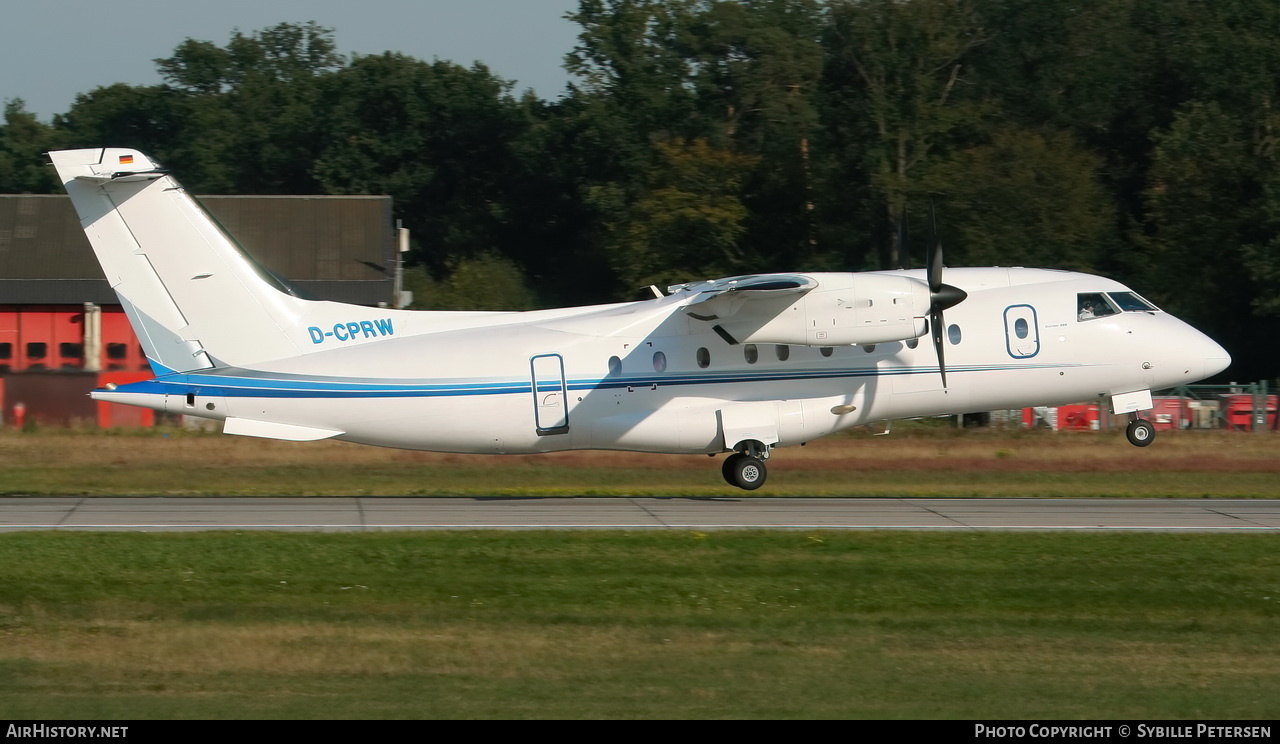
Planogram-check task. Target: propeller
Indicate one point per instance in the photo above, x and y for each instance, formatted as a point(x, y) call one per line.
point(941, 296)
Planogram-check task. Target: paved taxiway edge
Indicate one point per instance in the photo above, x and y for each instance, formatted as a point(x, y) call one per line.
point(385, 513)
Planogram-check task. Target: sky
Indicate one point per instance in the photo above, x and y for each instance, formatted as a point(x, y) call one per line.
point(51, 50)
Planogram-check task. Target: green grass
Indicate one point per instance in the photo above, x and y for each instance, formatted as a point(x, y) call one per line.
point(639, 625)
point(917, 462)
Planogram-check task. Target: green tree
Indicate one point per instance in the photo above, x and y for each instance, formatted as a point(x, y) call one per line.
point(689, 223)
point(486, 281)
point(634, 86)
point(738, 77)
point(630, 53)
point(1211, 190)
point(252, 110)
point(23, 142)
point(119, 115)
point(1206, 204)
point(758, 70)
point(895, 88)
point(287, 53)
point(1026, 198)
point(439, 138)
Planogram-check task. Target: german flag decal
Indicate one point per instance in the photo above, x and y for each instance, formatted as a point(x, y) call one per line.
point(126, 160)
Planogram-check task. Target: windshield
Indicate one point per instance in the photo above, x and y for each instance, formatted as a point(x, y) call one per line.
point(1130, 302)
point(1090, 305)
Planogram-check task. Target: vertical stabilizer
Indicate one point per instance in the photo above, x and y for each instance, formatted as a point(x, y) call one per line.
point(190, 293)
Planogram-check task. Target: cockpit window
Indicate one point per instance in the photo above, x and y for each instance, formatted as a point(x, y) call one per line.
point(1130, 302)
point(1090, 305)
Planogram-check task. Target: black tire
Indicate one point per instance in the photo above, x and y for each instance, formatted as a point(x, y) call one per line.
point(744, 471)
point(1140, 433)
point(726, 467)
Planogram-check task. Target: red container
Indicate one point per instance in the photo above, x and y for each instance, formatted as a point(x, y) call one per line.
point(1169, 413)
point(1079, 417)
point(1238, 410)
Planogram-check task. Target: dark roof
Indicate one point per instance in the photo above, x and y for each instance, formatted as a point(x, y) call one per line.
point(331, 247)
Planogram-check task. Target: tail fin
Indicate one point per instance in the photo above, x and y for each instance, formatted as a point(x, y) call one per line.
point(191, 295)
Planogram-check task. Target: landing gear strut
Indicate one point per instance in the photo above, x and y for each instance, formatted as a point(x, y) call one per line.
point(745, 469)
point(1140, 432)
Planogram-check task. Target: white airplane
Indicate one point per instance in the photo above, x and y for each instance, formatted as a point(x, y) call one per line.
point(740, 365)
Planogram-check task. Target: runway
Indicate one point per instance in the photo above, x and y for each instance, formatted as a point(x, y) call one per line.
point(381, 514)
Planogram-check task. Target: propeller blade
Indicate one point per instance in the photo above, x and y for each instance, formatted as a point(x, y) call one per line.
point(936, 324)
point(941, 296)
point(933, 261)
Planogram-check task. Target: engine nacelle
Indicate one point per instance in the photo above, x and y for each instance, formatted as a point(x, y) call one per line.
point(843, 309)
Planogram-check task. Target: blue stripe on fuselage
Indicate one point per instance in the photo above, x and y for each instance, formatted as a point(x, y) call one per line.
point(231, 383)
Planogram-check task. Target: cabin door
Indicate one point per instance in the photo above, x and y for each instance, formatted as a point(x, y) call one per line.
point(550, 394)
point(1021, 331)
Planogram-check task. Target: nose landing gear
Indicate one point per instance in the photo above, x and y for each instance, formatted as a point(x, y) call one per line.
point(1140, 432)
point(745, 468)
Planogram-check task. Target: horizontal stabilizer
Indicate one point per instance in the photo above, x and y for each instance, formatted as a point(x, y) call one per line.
point(271, 430)
point(123, 176)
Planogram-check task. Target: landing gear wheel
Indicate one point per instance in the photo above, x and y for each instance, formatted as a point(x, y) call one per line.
point(1140, 433)
point(744, 471)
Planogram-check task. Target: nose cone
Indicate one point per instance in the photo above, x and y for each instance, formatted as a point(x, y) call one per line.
point(1182, 355)
point(1216, 358)
point(1204, 350)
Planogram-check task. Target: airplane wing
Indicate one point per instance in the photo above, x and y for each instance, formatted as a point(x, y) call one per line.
point(727, 296)
point(810, 310)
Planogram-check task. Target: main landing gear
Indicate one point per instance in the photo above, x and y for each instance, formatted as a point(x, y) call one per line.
point(1140, 432)
point(745, 468)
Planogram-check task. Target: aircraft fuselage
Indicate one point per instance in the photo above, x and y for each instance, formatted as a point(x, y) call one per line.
point(648, 376)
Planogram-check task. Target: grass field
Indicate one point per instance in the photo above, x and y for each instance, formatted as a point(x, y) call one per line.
point(916, 461)
point(639, 625)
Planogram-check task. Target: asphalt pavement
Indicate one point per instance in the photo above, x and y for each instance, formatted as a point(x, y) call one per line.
point(380, 513)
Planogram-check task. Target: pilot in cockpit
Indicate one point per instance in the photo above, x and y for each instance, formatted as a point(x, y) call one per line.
point(1090, 305)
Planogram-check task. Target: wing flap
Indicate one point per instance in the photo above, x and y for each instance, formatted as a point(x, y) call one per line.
point(246, 427)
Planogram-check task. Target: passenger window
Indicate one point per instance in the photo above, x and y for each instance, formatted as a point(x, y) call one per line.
point(1020, 328)
point(615, 367)
point(659, 362)
point(750, 353)
point(1090, 305)
point(826, 351)
point(869, 348)
point(783, 352)
point(913, 343)
point(953, 334)
point(704, 357)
